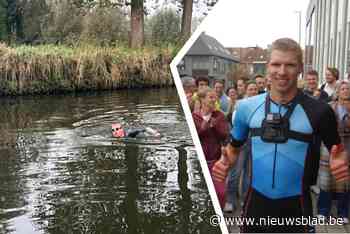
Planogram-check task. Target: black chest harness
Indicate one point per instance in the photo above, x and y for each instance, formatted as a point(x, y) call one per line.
point(275, 128)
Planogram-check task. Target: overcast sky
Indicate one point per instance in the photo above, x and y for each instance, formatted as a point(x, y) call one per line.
point(244, 23)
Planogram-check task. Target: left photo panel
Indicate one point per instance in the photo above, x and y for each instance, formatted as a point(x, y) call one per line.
point(93, 138)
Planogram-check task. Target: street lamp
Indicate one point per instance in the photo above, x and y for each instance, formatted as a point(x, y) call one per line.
point(299, 13)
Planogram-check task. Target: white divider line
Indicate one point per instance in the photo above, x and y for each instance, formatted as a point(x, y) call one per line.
point(190, 122)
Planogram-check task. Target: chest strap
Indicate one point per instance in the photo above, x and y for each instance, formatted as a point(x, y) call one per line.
point(299, 136)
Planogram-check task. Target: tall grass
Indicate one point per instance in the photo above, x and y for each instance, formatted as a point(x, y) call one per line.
point(50, 69)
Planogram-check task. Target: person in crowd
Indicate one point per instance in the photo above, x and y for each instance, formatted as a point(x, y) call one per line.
point(242, 167)
point(328, 187)
point(241, 86)
point(231, 92)
point(284, 129)
point(311, 89)
point(252, 89)
point(222, 97)
point(202, 82)
point(332, 76)
point(261, 83)
point(232, 183)
point(268, 83)
point(213, 131)
point(189, 85)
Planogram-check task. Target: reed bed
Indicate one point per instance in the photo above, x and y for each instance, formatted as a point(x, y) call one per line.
point(49, 69)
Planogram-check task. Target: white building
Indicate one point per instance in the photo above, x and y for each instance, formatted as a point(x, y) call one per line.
point(328, 36)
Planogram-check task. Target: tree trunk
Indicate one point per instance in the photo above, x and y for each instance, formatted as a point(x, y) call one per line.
point(137, 23)
point(186, 19)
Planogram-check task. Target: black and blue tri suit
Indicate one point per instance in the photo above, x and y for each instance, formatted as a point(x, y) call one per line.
point(282, 173)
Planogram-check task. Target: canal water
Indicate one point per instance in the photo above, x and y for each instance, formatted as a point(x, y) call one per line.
point(62, 172)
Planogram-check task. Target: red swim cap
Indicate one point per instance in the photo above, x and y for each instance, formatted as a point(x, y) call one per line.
point(117, 130)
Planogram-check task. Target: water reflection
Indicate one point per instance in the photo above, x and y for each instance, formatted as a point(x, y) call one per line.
point(62, 172)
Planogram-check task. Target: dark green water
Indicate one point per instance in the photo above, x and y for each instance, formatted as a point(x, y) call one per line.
point(62, 172)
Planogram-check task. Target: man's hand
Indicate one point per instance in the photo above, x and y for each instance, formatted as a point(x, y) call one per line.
point(221, 167)
point(339, 163)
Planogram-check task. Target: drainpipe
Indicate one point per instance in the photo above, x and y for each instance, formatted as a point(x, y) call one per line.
point(342, 61)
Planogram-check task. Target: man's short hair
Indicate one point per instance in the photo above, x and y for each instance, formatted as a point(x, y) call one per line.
point(188, 81)
point(201, 78)
point(312, 73)
point(287, 44)
point(250, 82)
point(258, 75)
point(242, 79)
point(219, 81)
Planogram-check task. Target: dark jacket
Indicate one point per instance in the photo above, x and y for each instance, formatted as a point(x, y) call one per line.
point(323, 96)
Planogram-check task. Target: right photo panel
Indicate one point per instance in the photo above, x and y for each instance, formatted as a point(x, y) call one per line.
point(266, 93)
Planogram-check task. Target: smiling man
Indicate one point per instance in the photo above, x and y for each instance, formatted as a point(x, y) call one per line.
point(311, 89)
point(284, 129)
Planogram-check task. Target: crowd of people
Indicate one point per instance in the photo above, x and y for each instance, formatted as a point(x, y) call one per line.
point(273, 140)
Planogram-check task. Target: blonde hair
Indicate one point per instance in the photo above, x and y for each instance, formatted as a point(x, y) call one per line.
point(204, 92)
point(287, 44)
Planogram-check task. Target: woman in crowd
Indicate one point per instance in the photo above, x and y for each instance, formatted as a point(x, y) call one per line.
point(231, 92)
point(328, 188)
point(213, 131)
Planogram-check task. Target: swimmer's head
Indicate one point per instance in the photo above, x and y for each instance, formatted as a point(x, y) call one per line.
point(117, 130)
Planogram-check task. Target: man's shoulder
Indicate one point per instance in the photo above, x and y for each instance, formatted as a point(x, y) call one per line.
point(252, 101)
point(251, 104)
point(315, 106)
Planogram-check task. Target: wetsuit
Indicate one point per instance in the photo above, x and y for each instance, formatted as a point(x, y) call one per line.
point(283, 172)
point(135, 132)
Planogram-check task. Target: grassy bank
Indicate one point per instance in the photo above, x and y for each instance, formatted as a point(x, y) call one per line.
point(51, 69)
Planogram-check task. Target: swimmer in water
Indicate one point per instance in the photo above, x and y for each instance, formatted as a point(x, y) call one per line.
point(118, 131)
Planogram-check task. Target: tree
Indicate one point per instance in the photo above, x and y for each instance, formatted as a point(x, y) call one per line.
point(164, 27)
point(137, 24)
point(186, 18)
point(3, 20)
point(14, 19)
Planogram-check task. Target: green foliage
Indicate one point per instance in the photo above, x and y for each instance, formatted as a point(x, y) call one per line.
point(105, 26)
point(164, 27)
point(65, 23)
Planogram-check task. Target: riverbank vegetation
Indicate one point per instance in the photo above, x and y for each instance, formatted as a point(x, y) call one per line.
point(51, 69)
point(74, 45)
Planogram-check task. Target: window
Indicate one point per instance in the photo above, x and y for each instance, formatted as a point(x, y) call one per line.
point(216, 64)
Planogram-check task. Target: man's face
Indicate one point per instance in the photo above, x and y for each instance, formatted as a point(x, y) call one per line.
point(219, 88)
point(252, 90)
point(283, 69)
point(202, 84)
point(260, 82)
point(240, 87)
point(311, 82)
